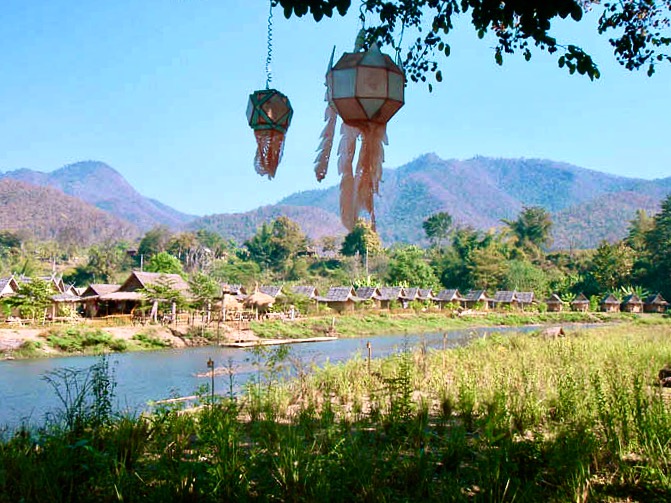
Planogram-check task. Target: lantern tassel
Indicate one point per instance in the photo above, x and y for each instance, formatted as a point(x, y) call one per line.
point(369, 166)
point(326, 144)
point(269, 148)
point(346, 149)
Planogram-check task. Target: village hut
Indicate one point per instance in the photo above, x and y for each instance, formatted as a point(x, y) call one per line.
point(64, 305)
point(554, 303)
point(55, 280)
point(580, 303)
point(93, 306)
point(409, 295)
point(310, 292)
point(525, 299)
point(631, 304)
point(273, 290)
point(8, 286)
point(129, 295)
point(505, 299)
point(476, 298)
point(609, 304)
point(340, 298)
point(425, 294)
point(238, 291)
point(259, 300)
point(389, 294)
point(446, 297)
point(655, 304)
point(369, 294)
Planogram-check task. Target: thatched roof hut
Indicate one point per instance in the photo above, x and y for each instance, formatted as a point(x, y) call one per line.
point(310, 292)
point(655, 304)
point(259, 300)
point(340, 298)
point(554, 303)
point(8, 286)
point(389, 294)
point(580, 303)
point(610, 304)
point(504, 298)
point(273, 290)
point(631, 304)
point(476, 297)
point(449, 296)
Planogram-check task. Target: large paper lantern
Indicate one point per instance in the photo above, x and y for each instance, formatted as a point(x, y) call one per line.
point(365, 89)
point(269, 115)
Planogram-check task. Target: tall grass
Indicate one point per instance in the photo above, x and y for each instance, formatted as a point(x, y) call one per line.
point(520, 418)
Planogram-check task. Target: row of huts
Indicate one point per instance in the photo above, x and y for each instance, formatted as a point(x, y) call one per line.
point(112, 299)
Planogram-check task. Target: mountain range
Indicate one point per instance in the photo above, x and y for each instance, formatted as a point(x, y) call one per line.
point(586, 205)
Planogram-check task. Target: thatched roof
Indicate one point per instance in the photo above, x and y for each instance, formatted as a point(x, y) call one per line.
point(259, 299)
point(306, 291)
point(138, 280)
point(632, 299)
point(63, 298)
point(449, 295)
point(119, 296)
point(368, 293)
point(411, 293)
point(505, 296)
point(97, 289)
point(426, 294)
point(476, 296)
point(657, 300)
point(390, 292)
point(525, 297)
point(609, 299)
point(580, 299)
point(554, 299)
point(8, 286)
point(340, 294)
point(272, 290)
point(233, 289)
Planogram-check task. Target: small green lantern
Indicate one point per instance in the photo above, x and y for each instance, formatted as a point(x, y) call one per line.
point(269, 115)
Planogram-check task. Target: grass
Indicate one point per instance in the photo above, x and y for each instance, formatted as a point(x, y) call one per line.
point(509, 418)
point(82, 340)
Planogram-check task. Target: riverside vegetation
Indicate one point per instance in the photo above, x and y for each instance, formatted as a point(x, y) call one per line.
point(516, 418)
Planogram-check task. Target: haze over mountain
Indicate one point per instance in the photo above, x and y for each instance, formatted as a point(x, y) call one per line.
point(46, 213)
point(587, 205)
point(102, 186)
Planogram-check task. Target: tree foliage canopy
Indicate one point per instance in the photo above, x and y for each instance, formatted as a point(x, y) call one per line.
point(638, 30)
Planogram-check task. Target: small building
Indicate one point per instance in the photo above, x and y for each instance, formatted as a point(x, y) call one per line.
point(410, 295)
point(446, 297)
point(310, 292)
point(476, 298)
point(239, 292)
point(610, 304)
point(389, 294)
point(631, 304)
point(8, 286)
point(580, 303)
point(93, 306)
point(505, 299)
point(525, 299)
point(425, 294)
point(340, 298)
point(554, 303)
point(273, 290)
point(655, 304)
point(369, 294)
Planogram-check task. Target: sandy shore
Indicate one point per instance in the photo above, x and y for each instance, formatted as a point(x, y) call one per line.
point(12, 338)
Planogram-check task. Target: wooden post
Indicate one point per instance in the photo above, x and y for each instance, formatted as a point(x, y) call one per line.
point(370, 354)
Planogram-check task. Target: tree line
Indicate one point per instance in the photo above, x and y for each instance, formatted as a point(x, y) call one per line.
point(515, 256)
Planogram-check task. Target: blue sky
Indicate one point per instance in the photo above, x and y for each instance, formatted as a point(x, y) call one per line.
point(158, 89)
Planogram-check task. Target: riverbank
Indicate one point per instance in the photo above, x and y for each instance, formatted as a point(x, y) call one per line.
point(82, 339)
point(524, 418)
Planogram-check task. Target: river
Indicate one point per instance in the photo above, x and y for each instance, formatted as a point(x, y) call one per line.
point(143, 377)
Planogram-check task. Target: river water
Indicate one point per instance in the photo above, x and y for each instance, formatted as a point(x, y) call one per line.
point(149, 376)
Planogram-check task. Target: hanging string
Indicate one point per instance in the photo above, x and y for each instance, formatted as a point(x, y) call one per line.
point(269, 57)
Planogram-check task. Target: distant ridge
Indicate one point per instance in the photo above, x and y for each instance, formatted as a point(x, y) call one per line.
point(477, 192)
point(46, 213)
point(102, 186)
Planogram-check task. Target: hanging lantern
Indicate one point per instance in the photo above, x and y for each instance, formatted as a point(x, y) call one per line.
point(365, 89)
point(269, 115)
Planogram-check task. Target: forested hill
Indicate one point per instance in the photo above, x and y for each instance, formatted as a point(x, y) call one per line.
point(47, 213)
point(587, 205)
point(102, 186)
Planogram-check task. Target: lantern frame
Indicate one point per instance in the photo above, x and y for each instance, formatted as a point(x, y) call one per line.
point(269, 109)
point(366, 87)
